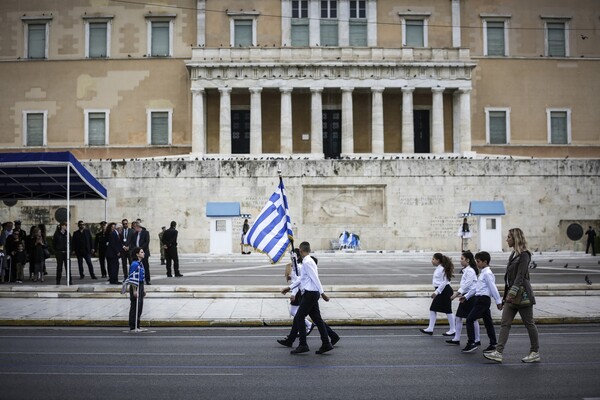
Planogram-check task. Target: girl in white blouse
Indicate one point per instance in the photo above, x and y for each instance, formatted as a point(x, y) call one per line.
point(442, 275)
point(467, 282)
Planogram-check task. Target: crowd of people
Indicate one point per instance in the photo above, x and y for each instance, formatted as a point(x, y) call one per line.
point(113, 245)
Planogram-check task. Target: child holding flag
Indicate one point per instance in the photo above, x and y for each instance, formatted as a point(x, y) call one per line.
point(136, 290)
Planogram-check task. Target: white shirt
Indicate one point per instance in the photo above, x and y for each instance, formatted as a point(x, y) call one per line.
point(486, 286)
point(309, 278)
point(439, 279)
point(468, 280)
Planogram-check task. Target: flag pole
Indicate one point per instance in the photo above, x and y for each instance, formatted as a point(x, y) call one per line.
point(137, 302)
point(292, 253)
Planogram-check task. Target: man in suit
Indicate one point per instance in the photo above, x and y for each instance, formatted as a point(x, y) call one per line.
point(170, 246)
point(114, 248)
point(125, 238)
point(141, 239)
point(83, 246)
point(100, 247)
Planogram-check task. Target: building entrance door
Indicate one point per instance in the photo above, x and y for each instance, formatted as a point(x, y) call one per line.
point(332, 133)
point(422, 131)
point(240, 131)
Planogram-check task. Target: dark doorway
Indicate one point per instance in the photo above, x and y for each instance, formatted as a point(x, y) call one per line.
point(240, 131)
point(422, 131)
point(332, 133)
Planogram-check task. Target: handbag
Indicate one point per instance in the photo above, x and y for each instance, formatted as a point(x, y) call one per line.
point(521, 298)
point(46, 253)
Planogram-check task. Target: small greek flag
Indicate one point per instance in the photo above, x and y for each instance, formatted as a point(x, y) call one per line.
point(272, 233)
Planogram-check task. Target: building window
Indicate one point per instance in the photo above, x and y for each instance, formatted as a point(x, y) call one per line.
point(490, 224)
point(242, 32)
point(96, 127)
point(160, 35)
point(300, 23)
point(97, 33)
point(557, 38)
point(559, 126)
point(329, 23)
point(497, 125)
point(159, 127)
point(414, 30)
point(358, 23)
point(37, 40)
point(34, 128)
point(495, 38)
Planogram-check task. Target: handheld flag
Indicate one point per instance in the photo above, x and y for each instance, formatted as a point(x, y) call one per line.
point(272, 233)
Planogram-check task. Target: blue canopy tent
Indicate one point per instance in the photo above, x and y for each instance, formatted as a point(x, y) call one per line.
point(48, 176)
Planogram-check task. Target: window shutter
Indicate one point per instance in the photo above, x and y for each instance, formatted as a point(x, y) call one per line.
point(414, 33)
point(160, 128)
point(35, 129)
point(329, 33)
point(36, 41)
point(97, 40)
point(300, 33)
point(96, 129)
point(558, 121)
point(358, 33)
point(243, 32)
point(556, 39)
point(160, 39)
point(497, 121)
point(495, 38)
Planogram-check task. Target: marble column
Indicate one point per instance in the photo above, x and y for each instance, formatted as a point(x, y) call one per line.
point(465, 120)
point(286, 140)
point(255, 120)
point(316, 122)
point(377, 145)
point(198, 122)
point(225, 121)
point(347, 121)
point(437, 118)
point(408, 125)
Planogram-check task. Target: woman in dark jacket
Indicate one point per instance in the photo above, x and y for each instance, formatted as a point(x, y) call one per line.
point(518, 297)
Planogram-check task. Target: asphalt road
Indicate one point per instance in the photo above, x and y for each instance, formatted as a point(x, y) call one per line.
point(247, 363)
point(347, 269)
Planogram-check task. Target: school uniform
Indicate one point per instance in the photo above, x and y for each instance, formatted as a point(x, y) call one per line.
point(483, 292)
point(467, 282)
point(441, 302)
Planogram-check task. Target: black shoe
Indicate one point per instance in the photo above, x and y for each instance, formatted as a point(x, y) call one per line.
point(324, 348)
point(94, 277)
point(285, 342)
point(148, 283)
point(58, 282)
point(453, 342)
point(104, 276)
point(334, 340)
point(312, 326)
point(426, 332)
point(81, 276)
point(300, 349)
point(178, 275)
point(469, 348)
point(491, 348)
point(169, 276)
point(477, 343)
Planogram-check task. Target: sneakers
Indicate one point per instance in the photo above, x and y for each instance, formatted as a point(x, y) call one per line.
point(533, 357)
point(453, 342)
point(469, 348)
point(300, 349)
point(490, 348)
point(426, 332)
point(477, 343)
point(494, 356)
point(285, 342)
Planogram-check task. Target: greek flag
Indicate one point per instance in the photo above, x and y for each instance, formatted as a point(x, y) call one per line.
point(272, 233)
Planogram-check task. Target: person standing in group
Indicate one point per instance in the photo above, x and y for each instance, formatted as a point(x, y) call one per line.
point(141, 239)
point(114, 248)
point(136, 290)
point(20, 258)
point(59, 243)
point(245, 229)
point(518, 297)
point(312, 290)
point(83, 247)
point(465, 234)
point(100, 247)
point(468, 280)
point(125, 233)
point(162, 244)
point(12, 243)
point(591, 240)
point(442, 275)
point(38, 259)
point(483, 292)
point(170, 246)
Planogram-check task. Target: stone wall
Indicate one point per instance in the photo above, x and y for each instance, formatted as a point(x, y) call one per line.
point(399, 204)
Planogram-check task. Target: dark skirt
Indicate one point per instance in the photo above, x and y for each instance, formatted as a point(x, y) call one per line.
point(442, 303)
point(465, 308)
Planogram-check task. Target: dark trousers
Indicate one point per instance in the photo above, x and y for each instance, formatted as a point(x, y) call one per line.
point(146, 264)
point(113, 269)
point(135, 303)
point(481, 309)
point(88, 261)
point(61, 261)
point(171, 256)
point(126, 260)
point(309, 305)
point(590, 243)
point(102, 261)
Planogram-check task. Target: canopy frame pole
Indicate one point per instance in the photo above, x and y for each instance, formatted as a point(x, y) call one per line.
point(68, 225)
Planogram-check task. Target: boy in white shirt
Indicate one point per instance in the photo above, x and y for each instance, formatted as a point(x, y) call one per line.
point(484, 291)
